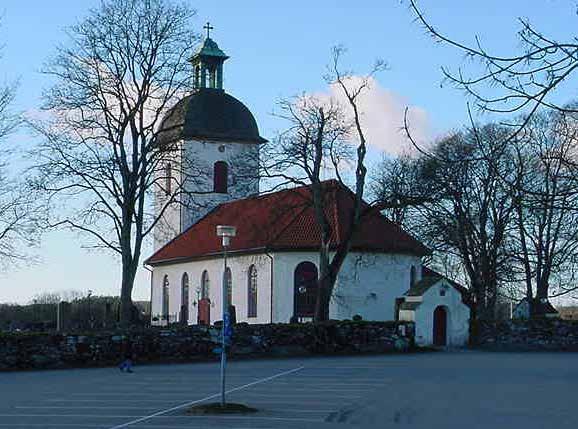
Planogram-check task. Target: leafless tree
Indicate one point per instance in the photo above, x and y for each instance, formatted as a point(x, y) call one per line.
point(104, 151)
point(546, 200)
point(17, 210)
point(522, 82)
point(466, 208)
point(326, 138)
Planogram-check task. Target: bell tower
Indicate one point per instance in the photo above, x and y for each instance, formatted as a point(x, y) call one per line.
point(208, 64)
point(218, 140)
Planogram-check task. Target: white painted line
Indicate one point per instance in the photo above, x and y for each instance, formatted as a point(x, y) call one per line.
point(69, 415)
point(142, 418)
point(89, 407)
point(109, 400)
point(301, 403)
point(186, 404)
point(76, 425)
point(52, 425)
point(297, 395)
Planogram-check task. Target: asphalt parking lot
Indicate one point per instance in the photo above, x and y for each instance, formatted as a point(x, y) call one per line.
point(422, 390)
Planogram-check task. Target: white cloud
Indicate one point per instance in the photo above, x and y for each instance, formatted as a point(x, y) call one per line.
point(382, 118)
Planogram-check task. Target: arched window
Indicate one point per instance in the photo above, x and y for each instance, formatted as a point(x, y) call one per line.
point(185, 298)
point(197, 76)
point(412, 277)
point(252, 292)
point(168, 178)
point(165, 298)
point(229, 287)
point(205, 285)
point(220, 177)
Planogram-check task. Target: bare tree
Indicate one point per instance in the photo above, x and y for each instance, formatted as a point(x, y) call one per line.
point(17, 211)
point(520, 82)
point(104, 152)
point(546, 200)
point(466, 208)
point(326, 137)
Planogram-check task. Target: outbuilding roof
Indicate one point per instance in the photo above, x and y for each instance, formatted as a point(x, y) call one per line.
point(430, 278)
point(285, 220)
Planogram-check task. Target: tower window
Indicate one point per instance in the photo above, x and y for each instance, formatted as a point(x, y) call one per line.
point(220, 176)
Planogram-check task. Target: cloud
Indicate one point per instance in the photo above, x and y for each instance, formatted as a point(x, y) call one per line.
point(382, 117)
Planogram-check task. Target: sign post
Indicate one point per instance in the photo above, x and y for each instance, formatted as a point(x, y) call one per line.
point(226, 232)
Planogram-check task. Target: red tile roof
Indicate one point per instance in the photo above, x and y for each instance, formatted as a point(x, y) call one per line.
point(285, 220)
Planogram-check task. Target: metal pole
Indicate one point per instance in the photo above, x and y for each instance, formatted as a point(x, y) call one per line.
point(224, 308)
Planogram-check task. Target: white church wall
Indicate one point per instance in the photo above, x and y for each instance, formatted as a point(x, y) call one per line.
point(458, 316)
point(285, 264)
point(239, 266)
point(369, 283)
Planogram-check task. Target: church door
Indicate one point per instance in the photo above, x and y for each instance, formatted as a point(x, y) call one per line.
point(204, 311)
point(305, 290)
point(440, 322)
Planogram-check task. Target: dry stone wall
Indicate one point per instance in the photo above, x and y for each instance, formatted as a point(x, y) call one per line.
point(188, 344)
point(529, 335)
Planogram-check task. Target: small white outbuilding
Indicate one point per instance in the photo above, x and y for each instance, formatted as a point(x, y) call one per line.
point(438, 307)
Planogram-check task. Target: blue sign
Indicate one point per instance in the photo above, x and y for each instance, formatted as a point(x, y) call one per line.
point(218, 350)
point(227, 328)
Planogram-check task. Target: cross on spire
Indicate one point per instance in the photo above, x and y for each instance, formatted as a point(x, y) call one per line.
point(208, 27)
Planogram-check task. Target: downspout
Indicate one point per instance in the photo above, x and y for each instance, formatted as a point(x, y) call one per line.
point(271, 278)
point(144, 265)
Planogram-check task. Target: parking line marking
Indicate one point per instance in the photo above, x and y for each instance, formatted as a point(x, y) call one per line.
point(74, 407)
point(297, 395)
point(186, 404)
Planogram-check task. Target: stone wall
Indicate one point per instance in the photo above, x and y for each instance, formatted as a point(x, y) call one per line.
point(189, 344)
point(527, 335)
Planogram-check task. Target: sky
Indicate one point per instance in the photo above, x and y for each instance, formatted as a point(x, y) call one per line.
point(277, 50)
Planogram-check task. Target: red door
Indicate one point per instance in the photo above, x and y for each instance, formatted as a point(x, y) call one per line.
point(204, 311)
point(440, 327)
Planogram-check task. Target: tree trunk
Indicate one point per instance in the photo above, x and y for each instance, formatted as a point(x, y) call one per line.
point(127, 284)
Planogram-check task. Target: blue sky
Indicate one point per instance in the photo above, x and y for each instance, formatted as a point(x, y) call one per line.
point(277, 49)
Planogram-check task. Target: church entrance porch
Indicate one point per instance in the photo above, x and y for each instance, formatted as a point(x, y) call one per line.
point(440, 322)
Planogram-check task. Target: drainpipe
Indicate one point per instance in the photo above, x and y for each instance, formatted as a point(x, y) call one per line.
point(271, 295)
point(151, 294)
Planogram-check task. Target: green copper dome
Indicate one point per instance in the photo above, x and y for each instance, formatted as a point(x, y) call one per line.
point(210, 49)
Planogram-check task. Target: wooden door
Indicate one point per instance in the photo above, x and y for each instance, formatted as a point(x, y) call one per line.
point(440, 323)
point(204, 311)
point(305, 290)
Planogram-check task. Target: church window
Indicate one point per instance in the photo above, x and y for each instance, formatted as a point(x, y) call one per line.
point(252, 292)
point(185, 298)
point(220, 176)
point(197, 76)
point(168, 178)
point(165, 299)
point(229, 287)
point(205, 285)
point(412, 277)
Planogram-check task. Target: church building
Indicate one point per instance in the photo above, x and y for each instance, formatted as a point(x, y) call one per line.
point(273, 260)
